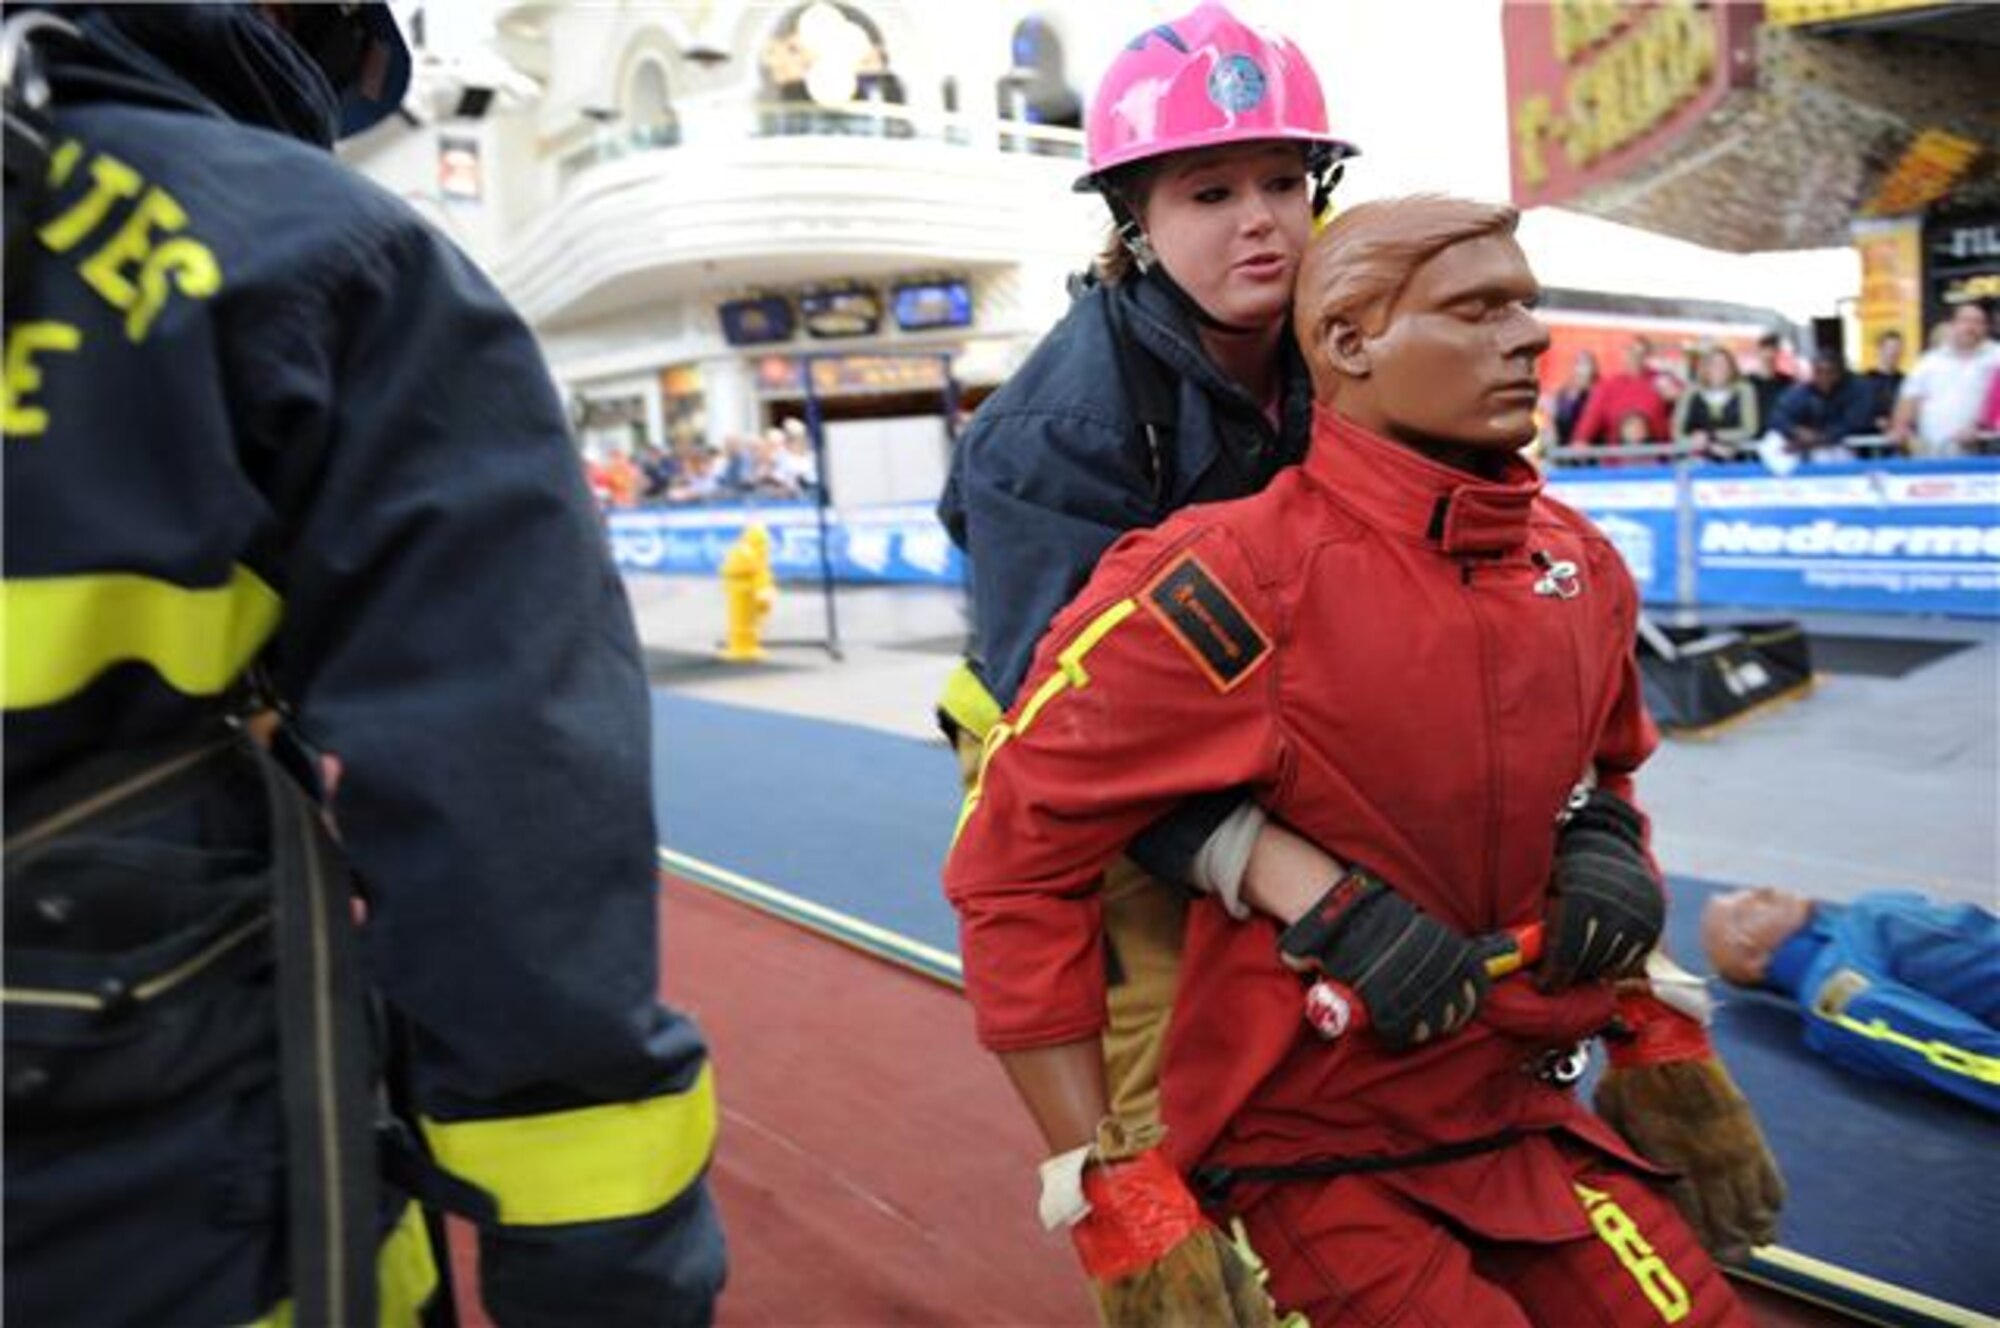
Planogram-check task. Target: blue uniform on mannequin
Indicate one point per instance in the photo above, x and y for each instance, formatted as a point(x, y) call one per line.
point(1897, 987)
point(260, 418)
point(1892, 985)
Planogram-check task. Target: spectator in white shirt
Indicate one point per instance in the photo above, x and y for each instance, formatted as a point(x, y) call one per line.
point(1938, 410)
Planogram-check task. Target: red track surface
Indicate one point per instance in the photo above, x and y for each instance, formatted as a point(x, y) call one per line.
point(874, 1168)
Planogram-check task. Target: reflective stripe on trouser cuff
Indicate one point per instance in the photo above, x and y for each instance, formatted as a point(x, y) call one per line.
point(406, 1276)
point(969, 704)
point(588, 1165)
point(63, 631)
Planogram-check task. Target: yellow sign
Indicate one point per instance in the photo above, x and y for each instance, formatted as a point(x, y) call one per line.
point(1803, 13)
point(1925, 173)
point(1622, 90)
point(1892, 256)
point(1581, 24)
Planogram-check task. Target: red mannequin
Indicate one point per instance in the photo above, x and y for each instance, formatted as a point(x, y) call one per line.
point(1407, 652)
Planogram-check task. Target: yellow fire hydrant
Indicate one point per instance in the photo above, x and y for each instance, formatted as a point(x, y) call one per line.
point(748, 592)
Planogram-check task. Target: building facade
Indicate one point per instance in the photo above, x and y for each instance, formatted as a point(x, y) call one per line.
point(703, 206)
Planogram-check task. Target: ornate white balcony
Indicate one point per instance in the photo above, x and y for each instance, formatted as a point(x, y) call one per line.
point(788, 194)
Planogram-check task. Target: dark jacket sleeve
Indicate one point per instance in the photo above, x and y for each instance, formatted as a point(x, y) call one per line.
point(455, 634)
point(1043, 495)
point(1851, 412)
point(1793, 409)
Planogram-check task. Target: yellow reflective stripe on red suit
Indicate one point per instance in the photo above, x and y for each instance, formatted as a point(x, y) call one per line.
point(1069, 673)
point(61, 632)
point(592, 1164)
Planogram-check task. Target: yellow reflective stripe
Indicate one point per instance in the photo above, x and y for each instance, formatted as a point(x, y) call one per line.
point(969, 704)
point(1615, 1227)
point(592, 1164)
point(1938, 1054)
point(1069, 673)
point(1071, 659)
point(61, 632)
point(406, 1277)
point(1253, 1263)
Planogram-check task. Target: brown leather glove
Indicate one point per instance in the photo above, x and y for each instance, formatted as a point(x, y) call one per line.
point(1154, 1261)
point(1672, 1100)
point(1200, 1283)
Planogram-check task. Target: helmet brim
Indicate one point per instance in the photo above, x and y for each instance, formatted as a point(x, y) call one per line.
point(1320, 153)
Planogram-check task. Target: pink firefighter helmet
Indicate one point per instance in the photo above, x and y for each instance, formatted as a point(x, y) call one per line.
point(1203, 80)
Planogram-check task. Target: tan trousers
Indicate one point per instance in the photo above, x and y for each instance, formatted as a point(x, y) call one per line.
point(1144, 922)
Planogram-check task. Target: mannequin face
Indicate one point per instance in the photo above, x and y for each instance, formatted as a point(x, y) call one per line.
point(1451, 363)
point(1229, 225)
point(1742, 929)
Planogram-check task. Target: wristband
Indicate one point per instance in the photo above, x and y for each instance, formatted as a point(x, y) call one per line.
point(1659, 1035)
point(1062, 1203)
point(1139, 1210)
point(1311, 934)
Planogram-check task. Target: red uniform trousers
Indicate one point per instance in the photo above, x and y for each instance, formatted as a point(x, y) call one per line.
point(1355, 1251)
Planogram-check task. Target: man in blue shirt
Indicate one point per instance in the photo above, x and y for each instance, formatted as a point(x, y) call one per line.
point(1892, 985)
point(1816, 417)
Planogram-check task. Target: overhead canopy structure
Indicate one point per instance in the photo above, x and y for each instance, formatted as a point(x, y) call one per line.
point(1749, 127)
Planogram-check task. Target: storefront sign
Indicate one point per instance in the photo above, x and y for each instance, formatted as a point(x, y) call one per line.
point(1594, 86)
point(850, 375)
point(1926, 172)
point(1805, 13)
point(928, 304)
point(840, 311)
point(1892, 285)
point(756, 322)
point(1961, 263)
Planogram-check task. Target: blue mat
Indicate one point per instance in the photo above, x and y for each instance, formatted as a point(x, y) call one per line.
point(1893, 1207)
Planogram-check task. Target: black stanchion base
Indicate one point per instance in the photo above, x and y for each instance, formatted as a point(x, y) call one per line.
point(1698, 678)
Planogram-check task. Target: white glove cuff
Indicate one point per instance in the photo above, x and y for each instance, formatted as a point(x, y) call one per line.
point(1063, 1204)
point(1219, 865)
point(1679, 989)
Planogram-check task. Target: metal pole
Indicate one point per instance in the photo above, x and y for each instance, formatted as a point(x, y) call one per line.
point(1684, 573)
point(816, 431)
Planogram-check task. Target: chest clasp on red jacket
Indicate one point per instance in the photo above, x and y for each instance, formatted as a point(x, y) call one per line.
point(1560, 578)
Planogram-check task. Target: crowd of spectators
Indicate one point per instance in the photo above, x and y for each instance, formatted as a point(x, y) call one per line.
point(1701, 398)
point(776, 465)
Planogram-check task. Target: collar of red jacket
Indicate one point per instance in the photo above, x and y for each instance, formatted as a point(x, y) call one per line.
point(1415, 498)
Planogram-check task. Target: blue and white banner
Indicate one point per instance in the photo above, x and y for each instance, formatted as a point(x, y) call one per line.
point(1881, 537)
point(899, 543)
point(1899, 537)
point(1636, 511)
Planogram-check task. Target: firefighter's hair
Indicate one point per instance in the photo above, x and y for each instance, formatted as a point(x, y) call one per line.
point(1356, 267)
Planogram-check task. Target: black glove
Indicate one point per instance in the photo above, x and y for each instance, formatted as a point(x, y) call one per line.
point(1606, 907)
point(1417, 978)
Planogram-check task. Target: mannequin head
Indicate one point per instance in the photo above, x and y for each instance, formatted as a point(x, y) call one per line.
point(1414, 315)
point(1741, 930)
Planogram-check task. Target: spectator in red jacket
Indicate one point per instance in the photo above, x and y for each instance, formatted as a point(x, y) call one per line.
point(1622, 394)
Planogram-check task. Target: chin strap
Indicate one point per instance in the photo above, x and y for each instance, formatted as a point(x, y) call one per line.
point(1133, 236)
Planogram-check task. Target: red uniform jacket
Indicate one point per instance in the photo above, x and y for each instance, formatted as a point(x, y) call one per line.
point(1409, 665)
